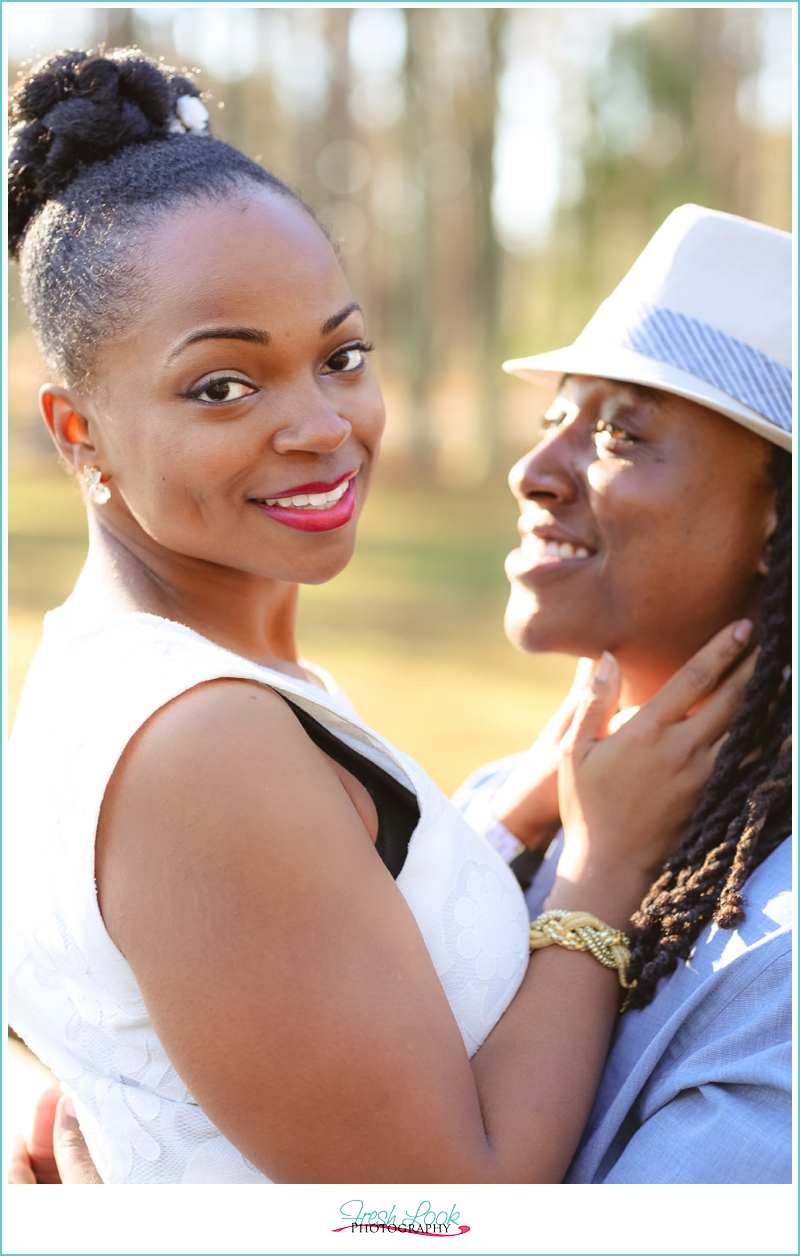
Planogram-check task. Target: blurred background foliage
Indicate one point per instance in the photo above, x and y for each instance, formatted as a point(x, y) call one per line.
point(489, 175)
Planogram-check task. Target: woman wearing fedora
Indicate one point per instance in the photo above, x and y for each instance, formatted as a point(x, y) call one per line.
point(203, 832)
point(640, 535)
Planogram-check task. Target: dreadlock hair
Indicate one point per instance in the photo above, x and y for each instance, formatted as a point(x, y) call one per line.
point(96, 155)
point(745, 811)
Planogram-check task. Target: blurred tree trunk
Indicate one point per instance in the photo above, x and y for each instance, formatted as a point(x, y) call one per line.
point(489, 269)
point(416, 290)
point(337, 118)
point(338, 126)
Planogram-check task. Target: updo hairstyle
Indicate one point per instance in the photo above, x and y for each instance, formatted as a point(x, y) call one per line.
point(97, 153)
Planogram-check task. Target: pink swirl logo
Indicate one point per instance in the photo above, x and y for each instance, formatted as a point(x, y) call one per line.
point(381, 1227)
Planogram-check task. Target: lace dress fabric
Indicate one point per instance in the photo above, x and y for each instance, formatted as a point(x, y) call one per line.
point(73, 996)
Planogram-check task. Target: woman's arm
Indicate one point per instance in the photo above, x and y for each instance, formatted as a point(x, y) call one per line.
point(236, 876)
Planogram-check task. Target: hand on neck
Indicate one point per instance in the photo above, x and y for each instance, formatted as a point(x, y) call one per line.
point(641, 678)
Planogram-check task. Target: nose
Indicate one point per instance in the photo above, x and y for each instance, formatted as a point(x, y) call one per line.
point(313, 427)
point(549, 471)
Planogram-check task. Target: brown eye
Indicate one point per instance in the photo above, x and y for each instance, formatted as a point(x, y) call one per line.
point(343, 361)
point(219, 390)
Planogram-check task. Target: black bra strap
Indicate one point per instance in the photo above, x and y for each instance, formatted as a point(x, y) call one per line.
point(397, 808)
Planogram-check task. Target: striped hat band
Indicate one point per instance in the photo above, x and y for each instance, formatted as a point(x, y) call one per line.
point(738, 369)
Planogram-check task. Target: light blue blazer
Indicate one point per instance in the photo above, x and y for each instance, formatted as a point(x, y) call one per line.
point(698, 1084)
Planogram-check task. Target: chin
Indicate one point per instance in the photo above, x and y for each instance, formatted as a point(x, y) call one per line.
point(529, 635)
point(534, 629)
point(317, 577)
point(321, 567)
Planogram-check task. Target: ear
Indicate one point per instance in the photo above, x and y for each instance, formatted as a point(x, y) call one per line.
point(68, 426)
point(771, 522)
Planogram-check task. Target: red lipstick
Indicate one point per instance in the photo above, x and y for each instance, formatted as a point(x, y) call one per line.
point(309, 518)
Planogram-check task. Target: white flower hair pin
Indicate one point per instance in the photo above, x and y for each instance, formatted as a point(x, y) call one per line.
point(191, 116)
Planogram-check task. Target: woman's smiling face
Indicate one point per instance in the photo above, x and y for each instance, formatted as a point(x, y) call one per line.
point(644, 521)
point(243, 385)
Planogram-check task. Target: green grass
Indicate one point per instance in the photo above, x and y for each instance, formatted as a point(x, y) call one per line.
point(412, 630)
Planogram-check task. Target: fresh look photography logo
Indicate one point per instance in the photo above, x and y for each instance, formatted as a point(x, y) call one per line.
point(424, 1220)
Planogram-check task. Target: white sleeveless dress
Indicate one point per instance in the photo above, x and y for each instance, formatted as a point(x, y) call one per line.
point(72, 995)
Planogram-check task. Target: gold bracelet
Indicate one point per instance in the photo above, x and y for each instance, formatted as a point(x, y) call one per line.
point(578, 931)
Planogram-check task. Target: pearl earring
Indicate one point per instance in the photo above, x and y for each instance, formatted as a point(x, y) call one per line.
point(98, 493)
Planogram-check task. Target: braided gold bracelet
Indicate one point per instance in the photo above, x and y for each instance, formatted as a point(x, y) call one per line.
point(579, 931)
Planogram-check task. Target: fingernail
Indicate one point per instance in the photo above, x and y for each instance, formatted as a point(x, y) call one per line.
point(605, 667)
point(68, 1107)
point(743, 631)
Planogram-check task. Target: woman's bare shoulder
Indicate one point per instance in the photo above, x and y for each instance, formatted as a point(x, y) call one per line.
point(222, 774)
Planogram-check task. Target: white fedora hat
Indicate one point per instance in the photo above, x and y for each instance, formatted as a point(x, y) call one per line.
point(704, 312)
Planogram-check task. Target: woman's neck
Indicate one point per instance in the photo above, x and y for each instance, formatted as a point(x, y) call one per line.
point(251, 615)
point(643, 673)
point(640, 684)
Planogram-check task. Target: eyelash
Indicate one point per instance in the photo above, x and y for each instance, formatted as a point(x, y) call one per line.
point(602, 427)
point(360, 345)
point(607, 427)
point(195, 394)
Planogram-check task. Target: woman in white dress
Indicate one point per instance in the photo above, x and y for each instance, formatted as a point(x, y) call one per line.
point(252, 938)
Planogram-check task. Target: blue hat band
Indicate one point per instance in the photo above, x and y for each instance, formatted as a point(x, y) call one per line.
point(744, 373)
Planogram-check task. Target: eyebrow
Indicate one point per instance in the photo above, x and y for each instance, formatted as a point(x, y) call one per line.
point(251, 334)
point(641, 390)
point(333, 322)
point(655, 395)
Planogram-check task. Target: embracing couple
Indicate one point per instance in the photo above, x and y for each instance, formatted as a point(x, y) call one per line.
point(251, 937)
